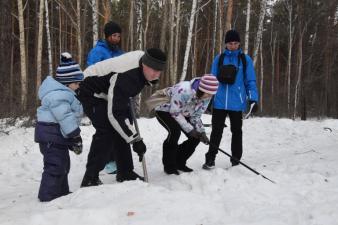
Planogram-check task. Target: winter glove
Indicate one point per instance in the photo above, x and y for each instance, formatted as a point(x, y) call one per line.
point(140, 148)
point(77, 145)
point(254, 107)
point(194, 134)
point(204, 138)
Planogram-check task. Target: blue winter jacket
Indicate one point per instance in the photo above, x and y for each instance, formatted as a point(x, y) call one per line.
point(60, 107)
point(101, 52)
point(234, 96)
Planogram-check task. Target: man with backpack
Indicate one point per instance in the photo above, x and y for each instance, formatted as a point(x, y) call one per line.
point(237, 85)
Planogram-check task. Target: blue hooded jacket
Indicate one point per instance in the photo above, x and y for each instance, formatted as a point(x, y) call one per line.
point(102, 52)
point(59, 106)
point(234, 96)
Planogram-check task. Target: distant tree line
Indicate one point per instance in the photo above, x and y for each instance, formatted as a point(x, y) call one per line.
point(293, 44)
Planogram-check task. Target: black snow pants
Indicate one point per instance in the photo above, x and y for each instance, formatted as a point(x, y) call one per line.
point(218, 120)
point(103, 141)
point(175, 154)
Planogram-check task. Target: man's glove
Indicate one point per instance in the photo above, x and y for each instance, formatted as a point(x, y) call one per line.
point(140, 148)
point(77, 145)
point(254, 106)
point(204, 138)
point(194, 134)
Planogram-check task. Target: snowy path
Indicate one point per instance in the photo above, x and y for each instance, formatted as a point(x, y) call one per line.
point(301, 156)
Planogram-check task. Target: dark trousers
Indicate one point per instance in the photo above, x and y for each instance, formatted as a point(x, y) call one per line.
point(175, 154)
point(103, 140)
point(217, 121)
point(56, 165)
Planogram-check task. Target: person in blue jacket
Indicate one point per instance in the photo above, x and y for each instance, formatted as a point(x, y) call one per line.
point(106, 49)
point(109, 47)
point(57, 129)
point(237, 87)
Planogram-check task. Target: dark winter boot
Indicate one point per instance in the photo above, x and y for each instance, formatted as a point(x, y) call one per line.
point(90, 181)
point(184, 168)
point(130, 175)
point(209, 165)
point(169, 171)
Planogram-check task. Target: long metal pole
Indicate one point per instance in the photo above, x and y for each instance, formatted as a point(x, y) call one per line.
point(133, 114)
point(248, 167)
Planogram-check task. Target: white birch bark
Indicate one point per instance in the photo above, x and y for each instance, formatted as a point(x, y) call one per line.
point(148, 13)
point(221, 4)
point(247, 26)
point(172, 76)
point(23, 64)
point(131, 27)
point(95, 22)
point(49, 45)
point(214, 32)
point(259, 34)
point(78, 31)
point(177, 38)
point(188, 45)
point(288, 73)
point(262, 78)
point(39, 48)
point(139, 27)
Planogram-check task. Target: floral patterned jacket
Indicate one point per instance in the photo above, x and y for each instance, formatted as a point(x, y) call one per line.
point(184, 106)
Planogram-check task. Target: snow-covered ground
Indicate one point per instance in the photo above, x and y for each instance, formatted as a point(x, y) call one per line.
point(300, 156)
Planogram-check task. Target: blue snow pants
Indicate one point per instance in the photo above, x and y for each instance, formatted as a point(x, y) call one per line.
point(54, 182)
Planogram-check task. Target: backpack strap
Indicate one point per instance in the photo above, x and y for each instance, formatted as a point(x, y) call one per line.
point(242, 57)
point(220, 62)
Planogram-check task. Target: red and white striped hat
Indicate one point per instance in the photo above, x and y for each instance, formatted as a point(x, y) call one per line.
point(208, 84)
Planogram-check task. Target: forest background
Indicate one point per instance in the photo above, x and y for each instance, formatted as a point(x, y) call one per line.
point(292, 43)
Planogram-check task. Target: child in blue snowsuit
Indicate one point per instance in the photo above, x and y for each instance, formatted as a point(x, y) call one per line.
point(57, 130)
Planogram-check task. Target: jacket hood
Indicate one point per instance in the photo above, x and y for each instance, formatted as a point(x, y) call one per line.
point(49, 85)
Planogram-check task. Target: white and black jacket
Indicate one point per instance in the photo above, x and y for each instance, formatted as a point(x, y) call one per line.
point(116, 80)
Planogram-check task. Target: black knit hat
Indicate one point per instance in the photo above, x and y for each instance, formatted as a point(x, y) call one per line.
point(231, 36)
point(111, 28)
point(154, 58)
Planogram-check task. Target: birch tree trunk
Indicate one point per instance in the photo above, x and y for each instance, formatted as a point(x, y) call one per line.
point(262, 79)
point(148, 13)
point(172, 76)
point(229, 15)
point(259, 34)
point(164, 81)
point(23, 64)
point(164, 25)
point(188, 45)
point(130, 39)
point(195, 48)
point(139, 27)
point(214, 32)
point(95, 22)
point(288, 66)
point(247, 26)
point(78, 31)
point(177, 39)
point(299, 74)
point(139, 30)
point(49, 45)
point(221, 26)
point(273, 40)
point(39, 48)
